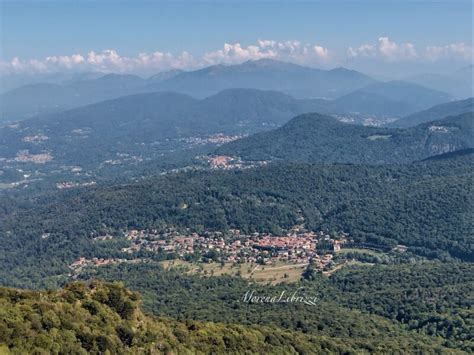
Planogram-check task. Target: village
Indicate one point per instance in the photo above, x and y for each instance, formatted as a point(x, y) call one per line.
point(260, 257)
point(263, 248)
point(225, 162)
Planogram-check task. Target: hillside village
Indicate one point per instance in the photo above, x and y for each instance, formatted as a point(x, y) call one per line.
point(234, 247)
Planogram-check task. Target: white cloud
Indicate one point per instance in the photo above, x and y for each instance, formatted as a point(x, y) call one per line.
point(365, 50)
point(68, 62)
point(386, 49)
point(290, 50)
point(321, 52)
point(449, 51)
point(110, 60)
point(391, 51)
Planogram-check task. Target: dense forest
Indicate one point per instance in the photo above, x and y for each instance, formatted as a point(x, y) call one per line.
point(425, 206)
point(403, 303)
point(95, 317)
point(98, 318)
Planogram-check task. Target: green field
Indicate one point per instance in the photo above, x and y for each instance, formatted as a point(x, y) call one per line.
point(278, 272)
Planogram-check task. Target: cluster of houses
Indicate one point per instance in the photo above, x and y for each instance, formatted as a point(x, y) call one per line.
point(24, 156)
point(297, 247)
point(78, 265)
point(71, 185)
point(235, 247)
point(227, 162)
point(223, 162)
point(218, 138)
point(38, 138)
point(123, 158)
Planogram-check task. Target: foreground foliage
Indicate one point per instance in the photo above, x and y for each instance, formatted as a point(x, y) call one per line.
point(382, 303)
point(105, 318)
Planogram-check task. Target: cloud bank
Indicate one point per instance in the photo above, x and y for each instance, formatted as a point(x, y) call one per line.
point(110, 60)
point(390, 51)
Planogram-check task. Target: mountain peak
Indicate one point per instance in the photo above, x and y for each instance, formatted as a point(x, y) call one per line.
point(118, 77)
point(165, 75)
point(272, 64)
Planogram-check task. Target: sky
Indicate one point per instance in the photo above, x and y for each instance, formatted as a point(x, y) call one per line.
point(380, 37)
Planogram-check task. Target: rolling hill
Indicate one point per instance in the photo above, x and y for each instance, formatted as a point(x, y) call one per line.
point(323, 139)
point(392, 98)
point(436, 113)
point(147, 124)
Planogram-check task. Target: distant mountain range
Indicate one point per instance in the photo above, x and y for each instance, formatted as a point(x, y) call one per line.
point(458, 83)
point(436, 113)
point(14, 81)
point(319, 138)
point(31, 100)
point(267, 74)
point(345, 92)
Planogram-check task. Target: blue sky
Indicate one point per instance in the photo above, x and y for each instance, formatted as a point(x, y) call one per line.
point(34, 30)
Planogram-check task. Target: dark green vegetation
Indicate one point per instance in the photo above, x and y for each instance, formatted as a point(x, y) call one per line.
point(405, 308)
point(98, 318)
point(397, 304)
point(322, 139)
point(435, 298)
point(426, 206)
point(435, 113)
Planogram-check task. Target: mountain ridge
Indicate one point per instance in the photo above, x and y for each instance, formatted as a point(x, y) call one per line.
point(321, 138)
point(437, 112)
point(293, 79)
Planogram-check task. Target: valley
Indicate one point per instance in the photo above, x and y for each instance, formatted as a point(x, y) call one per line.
point(280, 197)
point(97, 143)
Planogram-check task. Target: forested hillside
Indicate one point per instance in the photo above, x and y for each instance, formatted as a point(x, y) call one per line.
point(407, 301)
point(436, 113)
point(319, 138)
point(435, 219)
point(98, 318)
